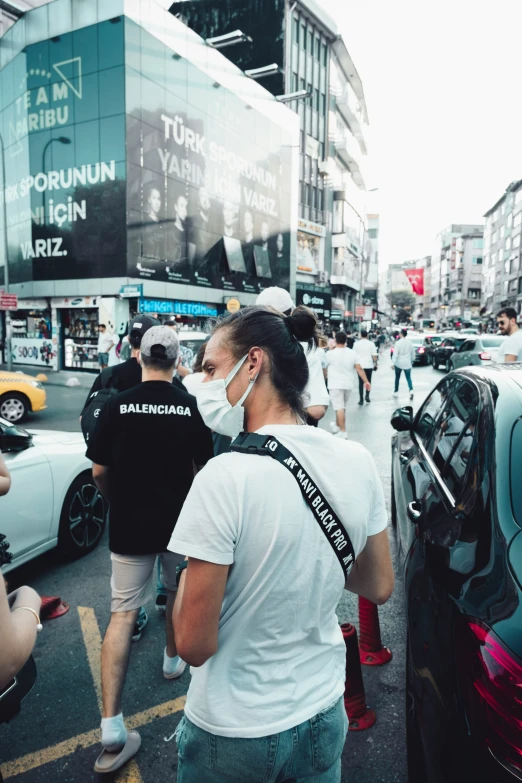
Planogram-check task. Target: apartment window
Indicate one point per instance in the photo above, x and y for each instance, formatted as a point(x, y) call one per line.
point(307, 168)
point(505, 285)
point(502, 231)
point(373, 233)
point(316, 100)
point(321, 150)
point(476, 260)
point(302, 140)
point(478, 243)
point(517, 220)
point(303, 192)
point(311, 42)
point(323, 104)
point(295, 25)
point(302, 85)
point(520, 285)
point(295, 82)
point(506, 268)
point(493, 260)
point(303, 36)
point(500, 255)
point(510, 220)
point(325, 55)
point(516, 241)
point(317, 48)
point(513, 265)
point(495, 216)
point(473, 293)
point(307, 194)
point(508, 243)
point(503, 208)
point(518, 197)
point(513, 286)
point(310, 90)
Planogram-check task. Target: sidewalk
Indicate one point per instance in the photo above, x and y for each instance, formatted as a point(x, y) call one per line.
point(55, 378)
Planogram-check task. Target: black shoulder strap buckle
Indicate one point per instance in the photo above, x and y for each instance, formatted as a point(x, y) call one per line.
point(251, 443)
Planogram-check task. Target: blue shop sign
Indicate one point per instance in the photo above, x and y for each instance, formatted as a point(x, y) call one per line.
point(173, 307)
point(131, 291)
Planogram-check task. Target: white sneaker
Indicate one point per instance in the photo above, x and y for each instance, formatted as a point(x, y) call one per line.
point(334, 428)
point(172, 667)
point(411, 395)
point(395, 394)
point(343, 435)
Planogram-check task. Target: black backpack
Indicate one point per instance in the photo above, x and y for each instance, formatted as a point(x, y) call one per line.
point(95, 404)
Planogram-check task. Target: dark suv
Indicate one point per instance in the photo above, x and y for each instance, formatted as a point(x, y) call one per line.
point(457, 508)
point(441, 354)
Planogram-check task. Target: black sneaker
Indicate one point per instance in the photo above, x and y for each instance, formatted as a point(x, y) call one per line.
point(361, 402)
point(368, 398)
point(141, 622)
point(161, 602)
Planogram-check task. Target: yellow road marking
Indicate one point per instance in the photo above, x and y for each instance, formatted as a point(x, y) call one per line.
point(62, 749)
point(93, 643)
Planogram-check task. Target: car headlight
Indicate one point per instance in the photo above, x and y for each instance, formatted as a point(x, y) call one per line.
point(36, 384)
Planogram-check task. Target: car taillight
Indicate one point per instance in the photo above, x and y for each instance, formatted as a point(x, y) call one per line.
point(484, 355)
point(494, 692)
point(421, 350)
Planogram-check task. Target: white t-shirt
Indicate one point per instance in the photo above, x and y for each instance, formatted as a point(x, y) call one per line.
point(511, 346)
point(191, 381)
point(281, 657)
point(403, 354)
point(315, 392)
point(105, 342)
point(366, 350)
point(341, 365)
point(322, 356)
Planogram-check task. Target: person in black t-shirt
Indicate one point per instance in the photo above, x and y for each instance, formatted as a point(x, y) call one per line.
point(151, 438)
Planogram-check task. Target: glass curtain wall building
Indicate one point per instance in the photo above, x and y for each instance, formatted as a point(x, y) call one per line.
point(143, 172)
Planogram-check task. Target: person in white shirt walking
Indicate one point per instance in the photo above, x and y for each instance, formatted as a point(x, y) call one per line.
point(342, 361)
point(511, 349)
point(368, 355)
point(403, 355)
point(105, 343)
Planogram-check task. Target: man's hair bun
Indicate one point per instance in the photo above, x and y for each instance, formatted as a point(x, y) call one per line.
point(302, 323)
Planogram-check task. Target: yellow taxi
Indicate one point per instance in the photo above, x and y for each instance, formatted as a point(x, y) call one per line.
point(19, 395)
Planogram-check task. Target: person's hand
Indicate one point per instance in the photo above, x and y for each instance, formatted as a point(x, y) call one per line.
point(375, 367)
point(367, 386)
point(25, 596)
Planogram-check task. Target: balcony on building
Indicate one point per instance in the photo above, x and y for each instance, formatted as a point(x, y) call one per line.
point(352, 113)
point(344, 273)
point(348, 149)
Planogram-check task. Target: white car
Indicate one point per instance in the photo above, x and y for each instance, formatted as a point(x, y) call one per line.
point(53, 500)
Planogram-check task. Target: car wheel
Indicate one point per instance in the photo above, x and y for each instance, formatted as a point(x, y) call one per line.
point(83, 519)
point(415, 757)
point(14, 407)
point(434, 363)
point(449, 365)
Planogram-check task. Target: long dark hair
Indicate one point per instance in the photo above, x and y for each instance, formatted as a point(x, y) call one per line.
point(281, 337)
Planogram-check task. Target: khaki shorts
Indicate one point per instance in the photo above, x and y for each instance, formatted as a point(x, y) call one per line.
point(131, 578)
point(339, 398)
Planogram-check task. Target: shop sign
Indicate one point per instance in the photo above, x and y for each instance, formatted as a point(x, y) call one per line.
point(40, 352)
point(131, 291)
point(33, 304)
point(172, 307)
point(336, 315)
point(76, 301)
point(233, 305)
point(311, 228)
point(8, 301)
point(316, 300)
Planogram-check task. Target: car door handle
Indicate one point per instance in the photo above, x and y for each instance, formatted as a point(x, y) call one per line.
point(415, 511)
point(404, 458)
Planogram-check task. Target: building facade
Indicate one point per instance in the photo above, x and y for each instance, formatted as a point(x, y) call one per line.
point(502, 271)
point(303, 41)
point(443, 263)
point(144, 172)
point(465, 279)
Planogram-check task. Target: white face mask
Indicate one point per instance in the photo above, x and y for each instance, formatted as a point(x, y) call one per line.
point(216, 411)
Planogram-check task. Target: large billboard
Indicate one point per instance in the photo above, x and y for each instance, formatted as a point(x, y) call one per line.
point(208, 180)
point(63, 127)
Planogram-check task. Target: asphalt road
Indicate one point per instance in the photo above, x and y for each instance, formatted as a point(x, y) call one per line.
point(54, 738)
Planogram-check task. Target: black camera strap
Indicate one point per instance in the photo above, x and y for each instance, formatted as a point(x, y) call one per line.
point(329, 522)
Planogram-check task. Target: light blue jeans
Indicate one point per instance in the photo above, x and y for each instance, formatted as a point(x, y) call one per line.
point(308, 753)
point(407, 373)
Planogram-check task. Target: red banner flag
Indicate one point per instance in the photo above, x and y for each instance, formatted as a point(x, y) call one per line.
point(416, 278)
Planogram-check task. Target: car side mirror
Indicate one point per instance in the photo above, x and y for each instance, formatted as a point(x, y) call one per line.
point(402, 419)
point(15, 439)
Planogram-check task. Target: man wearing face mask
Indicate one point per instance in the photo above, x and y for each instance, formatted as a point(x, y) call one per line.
point(152, 435)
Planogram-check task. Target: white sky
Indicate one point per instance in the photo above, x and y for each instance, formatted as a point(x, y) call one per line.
point(443, 86)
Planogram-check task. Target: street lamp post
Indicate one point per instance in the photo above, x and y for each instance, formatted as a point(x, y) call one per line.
point(7, 342)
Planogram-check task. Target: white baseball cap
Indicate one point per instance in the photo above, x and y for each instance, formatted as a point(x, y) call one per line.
point(277, 298)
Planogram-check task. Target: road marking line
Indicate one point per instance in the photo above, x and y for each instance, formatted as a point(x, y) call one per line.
point(93, 643)
point(86, 740)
